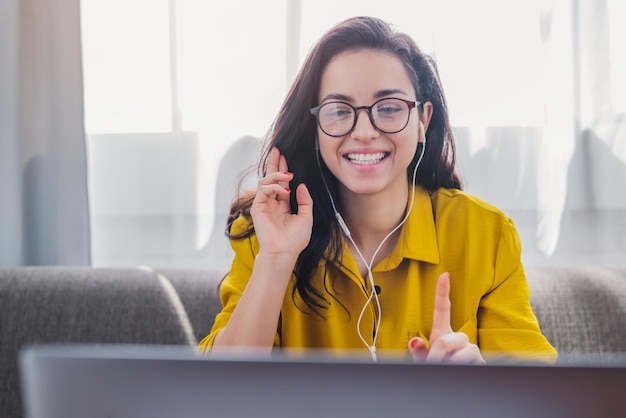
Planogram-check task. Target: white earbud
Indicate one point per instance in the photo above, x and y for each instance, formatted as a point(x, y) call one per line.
point(342, 224)
point(422, 135)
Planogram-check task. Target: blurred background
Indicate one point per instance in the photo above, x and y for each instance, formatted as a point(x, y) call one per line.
point(125, 124)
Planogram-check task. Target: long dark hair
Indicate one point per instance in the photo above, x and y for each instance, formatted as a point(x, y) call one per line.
point(294, 130)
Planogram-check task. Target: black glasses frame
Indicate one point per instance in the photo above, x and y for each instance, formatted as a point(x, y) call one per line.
point(410, 103)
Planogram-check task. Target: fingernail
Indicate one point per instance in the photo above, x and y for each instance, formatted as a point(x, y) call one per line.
point(288, 173)
point(287, 189)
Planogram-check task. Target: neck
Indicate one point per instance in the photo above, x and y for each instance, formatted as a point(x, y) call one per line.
point(371, 218)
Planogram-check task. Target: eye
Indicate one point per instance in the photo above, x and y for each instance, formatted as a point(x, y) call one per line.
point(389, 107)
point(335, 111)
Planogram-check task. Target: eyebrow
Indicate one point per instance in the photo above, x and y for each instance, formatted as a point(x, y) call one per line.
point(379, 94)
point(388, 92)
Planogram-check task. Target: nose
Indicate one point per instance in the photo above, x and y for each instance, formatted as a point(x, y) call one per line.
point(363, 129)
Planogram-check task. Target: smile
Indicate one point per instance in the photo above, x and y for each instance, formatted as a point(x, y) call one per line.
point(366, 159)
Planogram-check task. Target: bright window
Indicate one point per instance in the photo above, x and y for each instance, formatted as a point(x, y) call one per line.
point(126, 62)
point(488, 51)
point(617, 44)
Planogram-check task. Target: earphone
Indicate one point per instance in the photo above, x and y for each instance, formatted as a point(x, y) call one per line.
point(344, 227)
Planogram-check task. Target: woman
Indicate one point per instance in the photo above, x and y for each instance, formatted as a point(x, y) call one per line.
point(376, 247)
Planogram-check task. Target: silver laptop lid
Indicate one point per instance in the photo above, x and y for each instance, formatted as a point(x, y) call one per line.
point(155, 382)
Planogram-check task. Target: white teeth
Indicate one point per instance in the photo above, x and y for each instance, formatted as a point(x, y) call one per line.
point(366, 159)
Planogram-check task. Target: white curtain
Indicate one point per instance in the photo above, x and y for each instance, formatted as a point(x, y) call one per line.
point(539, 118)
point(44, 216)
point(531, 86)
point(561, 179)
point(558, 139)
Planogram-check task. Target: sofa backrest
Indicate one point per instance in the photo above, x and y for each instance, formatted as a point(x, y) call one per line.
point(83, 305)
point(581, 310)
point(198, 290)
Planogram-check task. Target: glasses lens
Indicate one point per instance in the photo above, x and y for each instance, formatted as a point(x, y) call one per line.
point(390, 115)
point(336, 119)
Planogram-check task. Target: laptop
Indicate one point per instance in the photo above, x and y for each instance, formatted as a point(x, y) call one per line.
point(160, 382)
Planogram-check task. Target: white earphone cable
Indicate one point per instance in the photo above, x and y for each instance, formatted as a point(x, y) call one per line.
point(369, 266)
point(373, 294)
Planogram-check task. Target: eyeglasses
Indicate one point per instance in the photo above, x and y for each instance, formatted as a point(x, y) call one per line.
point(388, 115)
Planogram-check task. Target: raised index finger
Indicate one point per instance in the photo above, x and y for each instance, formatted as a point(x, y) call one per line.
point(441, 314)
point(273, 160)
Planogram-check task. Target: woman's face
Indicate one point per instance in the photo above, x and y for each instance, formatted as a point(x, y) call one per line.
point(366, 160)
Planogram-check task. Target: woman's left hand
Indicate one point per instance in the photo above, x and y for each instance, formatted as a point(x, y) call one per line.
point(446, 346)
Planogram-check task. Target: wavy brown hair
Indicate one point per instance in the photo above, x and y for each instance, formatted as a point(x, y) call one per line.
point(294, 134)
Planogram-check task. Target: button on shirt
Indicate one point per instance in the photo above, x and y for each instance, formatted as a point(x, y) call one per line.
point(446, 231)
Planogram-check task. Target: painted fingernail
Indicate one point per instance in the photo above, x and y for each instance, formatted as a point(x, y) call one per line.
point(287, 189)
point(288, 173)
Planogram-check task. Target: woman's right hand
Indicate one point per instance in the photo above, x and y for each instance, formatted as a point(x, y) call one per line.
point(280, 232)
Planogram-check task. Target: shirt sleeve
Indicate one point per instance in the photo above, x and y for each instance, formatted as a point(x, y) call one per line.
point(507, 325)
point(235, 282)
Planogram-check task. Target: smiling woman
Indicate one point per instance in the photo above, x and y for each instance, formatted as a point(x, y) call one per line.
point(362, 239)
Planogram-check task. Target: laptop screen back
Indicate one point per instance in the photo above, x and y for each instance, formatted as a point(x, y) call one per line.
point(155, 382)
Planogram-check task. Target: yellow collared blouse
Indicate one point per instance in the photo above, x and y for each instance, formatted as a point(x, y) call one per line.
point(447, 230)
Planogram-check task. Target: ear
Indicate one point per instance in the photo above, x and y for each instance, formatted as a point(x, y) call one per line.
point(425, 119)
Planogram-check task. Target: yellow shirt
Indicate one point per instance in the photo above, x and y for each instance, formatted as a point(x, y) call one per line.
point(447, 230)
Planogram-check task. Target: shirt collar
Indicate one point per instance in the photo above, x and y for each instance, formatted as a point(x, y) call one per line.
point(417, 241)
point(418, 238)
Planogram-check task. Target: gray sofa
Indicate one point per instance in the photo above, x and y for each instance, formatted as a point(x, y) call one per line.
point(581, 310)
